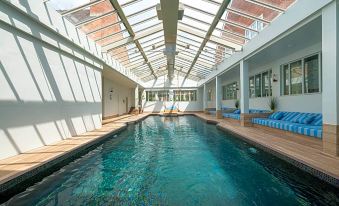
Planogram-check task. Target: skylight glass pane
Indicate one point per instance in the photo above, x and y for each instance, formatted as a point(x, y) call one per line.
point(87, 13)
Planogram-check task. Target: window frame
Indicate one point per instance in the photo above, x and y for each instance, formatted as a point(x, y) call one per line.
point(191, 94)
point(262, 86)
point(228, 89)
point(282, 89)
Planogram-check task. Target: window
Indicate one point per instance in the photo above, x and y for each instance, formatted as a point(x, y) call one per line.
point(185, 95)
point(286, 79)
point(229, 91)
point(302, 76)
point(209, 95)
point(266, 84)
point(312, 74)
point(296, 77)
point(157, 95)
point(252, 92)
point(260, 85)
point(257, 85)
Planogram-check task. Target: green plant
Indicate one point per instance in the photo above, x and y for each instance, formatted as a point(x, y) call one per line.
point(273, 103)
point(237, 103)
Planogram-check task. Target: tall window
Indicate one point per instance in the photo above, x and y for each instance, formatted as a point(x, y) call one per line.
point(185, 95)
point(302, 76)
point(229, 91)
point(257, 85)
point(266, 84)
point(296, 77)
point(260, 85)
point(157, 95)
point(286, 79)
point(312, 74)
point(252, 92)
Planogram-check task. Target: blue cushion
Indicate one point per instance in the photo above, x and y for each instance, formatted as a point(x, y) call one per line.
point(307, 120)
point(318, 122)
point(276, 115)
point(289, 116)
point(237, 111)
point(304, 129)
point(299, 117)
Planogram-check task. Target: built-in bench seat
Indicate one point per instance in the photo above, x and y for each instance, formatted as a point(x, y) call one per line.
point(236, 113)
point(309, 124)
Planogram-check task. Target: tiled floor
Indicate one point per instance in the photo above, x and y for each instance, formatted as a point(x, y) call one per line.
point(305, 150)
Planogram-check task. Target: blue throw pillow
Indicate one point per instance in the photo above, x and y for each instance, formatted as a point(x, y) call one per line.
point(237, 111)
point(276, 115)
point(289, 116)
point(307, 120)
point(318, 122)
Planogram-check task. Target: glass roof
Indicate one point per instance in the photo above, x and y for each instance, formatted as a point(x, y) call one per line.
point(209, 31)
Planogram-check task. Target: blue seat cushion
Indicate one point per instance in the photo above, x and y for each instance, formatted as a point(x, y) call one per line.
point(309, 130)
point(232, 116)
point(276, 115)
point(289, 116)
point(236, 111)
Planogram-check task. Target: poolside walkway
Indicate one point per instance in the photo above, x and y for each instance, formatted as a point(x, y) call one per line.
point(307, 151)
point(17, 165)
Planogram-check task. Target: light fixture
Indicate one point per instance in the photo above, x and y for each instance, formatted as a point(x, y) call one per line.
point(110, 93)
point(275, 79)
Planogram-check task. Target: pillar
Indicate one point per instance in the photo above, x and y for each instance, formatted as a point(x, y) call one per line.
point(245, 119)
point(330, 78)
point(204, 99)
point(218, 93)
point(136, 100)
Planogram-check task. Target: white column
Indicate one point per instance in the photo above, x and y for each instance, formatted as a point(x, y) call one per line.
point(330, 78)
point(330, 61)
point(218, 93)
point(244, 87)
point(204, 98)
point(136, 97)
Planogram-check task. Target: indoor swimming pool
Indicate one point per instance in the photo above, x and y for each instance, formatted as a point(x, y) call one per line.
point(177, 161)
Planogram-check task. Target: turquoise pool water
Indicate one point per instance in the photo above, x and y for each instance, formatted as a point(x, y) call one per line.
point(177, 161)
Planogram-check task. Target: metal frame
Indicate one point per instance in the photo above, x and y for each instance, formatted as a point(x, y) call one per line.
point(200, 59)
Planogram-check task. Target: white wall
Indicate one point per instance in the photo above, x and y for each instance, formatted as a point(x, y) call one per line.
point(115, 103)
point(46, 95)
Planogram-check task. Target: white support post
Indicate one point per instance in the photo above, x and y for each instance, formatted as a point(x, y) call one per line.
point(204, 98)
point(218, 94)
point(244, 94)
point(136, 98)
point(330, 78)
point(244, 86)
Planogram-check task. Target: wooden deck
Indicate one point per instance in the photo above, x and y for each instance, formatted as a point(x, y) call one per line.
point(15, 166)
point(307, 151)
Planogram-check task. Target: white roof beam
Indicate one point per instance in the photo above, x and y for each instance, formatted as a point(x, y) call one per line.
point(123, 18)
point(214, 23)
point(266, 5)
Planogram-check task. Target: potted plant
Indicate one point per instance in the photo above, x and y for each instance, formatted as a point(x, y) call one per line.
point(273, 103)
point(237, 103)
